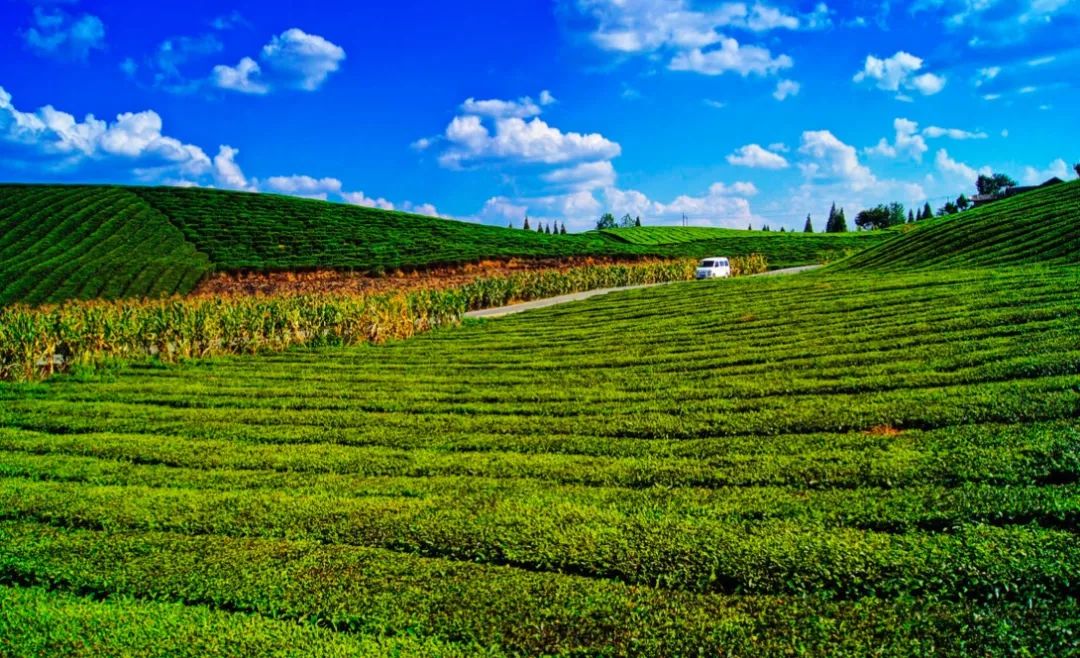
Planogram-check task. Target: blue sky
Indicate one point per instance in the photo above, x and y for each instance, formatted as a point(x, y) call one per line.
point(731, 113)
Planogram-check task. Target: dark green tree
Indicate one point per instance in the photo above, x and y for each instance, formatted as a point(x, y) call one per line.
point(1076, 168)
point(782, 230)
point(994, 184)
point(627, 221)
point(911, 217)
point(872, 218)
point(809, 227)
point(962, 202)
point(539, 227)
point(562, 230)
point(607, 220)
point(841, 222)
point(896, 214)
point(948, 209)
point(526, 226)
point(637, 221)
point(927, 213)
point(830, 223)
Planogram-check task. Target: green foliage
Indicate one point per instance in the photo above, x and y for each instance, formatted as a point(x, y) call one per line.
point(836, 223)
point(607, 220)
point(91, 333)
point(1037, 227)
point(62, 242)
point(733, 481)
point(994, 184)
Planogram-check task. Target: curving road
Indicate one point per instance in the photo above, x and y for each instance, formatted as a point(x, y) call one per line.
point(500, 311)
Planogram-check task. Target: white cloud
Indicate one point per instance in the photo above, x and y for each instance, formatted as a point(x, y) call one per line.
point(518, 141)
point(546, 98)
point(1058, 168)
point(62, 141)
point(730, 56)
point(420, 209)
point(779, 147)
point(584, 176)
point(227, 172)
point(302, 60)
point(958, 170)
point(952, 133)
point(360, 199)
point(693, 37)
point(722, 205)
point(718, 105)
point(898, 73)
point(786, 88)
point(832, 158)
point(304, 186)
point(523, 108)
point(908, 141)
point(293, 59)
point(56, 33)
point(242, 78)
point(754, 156)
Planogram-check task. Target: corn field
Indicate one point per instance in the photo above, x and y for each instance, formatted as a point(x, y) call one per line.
point(38, 342)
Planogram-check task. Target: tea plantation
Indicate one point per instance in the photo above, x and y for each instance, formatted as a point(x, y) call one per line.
point(83, 242)
point(833, 464)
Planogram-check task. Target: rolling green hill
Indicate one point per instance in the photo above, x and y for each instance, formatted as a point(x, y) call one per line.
point(1042, 226)
point(670, 234)
point(63, 242)
point(85, 242)
point(713, 468)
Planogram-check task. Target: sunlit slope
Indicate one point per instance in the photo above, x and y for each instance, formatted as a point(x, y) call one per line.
point(710, 468)
point(265, 231)
point(1042, 226)
point(781, 249)
point(61, 242)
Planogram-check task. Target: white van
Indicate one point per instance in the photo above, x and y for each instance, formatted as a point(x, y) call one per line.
point(713, 268)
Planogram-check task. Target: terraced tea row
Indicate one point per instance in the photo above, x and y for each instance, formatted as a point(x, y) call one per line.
point(60, 243)
point(840, 462)
point(1042, 226)
point(83, 242)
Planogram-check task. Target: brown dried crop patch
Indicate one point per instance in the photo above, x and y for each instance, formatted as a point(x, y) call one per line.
point(884, 430)
point(322, 281)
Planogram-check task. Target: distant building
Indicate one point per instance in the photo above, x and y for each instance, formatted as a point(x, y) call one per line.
point(983, 199)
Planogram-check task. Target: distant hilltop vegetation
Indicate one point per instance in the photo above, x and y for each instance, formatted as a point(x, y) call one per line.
point(60, 242)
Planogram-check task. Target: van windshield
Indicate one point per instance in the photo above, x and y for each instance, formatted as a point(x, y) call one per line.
point(706, 263)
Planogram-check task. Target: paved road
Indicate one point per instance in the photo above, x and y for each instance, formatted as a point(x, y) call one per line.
point(578, 296)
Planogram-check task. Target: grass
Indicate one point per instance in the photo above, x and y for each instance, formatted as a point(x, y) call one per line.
point(1041, 226)
point(84, 242)
point(836, 464)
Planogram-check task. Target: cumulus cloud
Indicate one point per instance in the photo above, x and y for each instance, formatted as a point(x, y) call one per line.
point(1058, 168)
point(754, 156)
point(786, 88)
point(244, 77)
point(304, 186)
point(516, 140)
point(584, 176)
point(227, 172)
point(900, 73)
point(908, 141)
point(721, 205)
point(730, 56)
point(360, 199)
point(833, 159)
point(293, 59)
point(695, 39)
point(522, 108)
point(958, 170)
point(59, 140)
point(56, 33)
point(302, 60)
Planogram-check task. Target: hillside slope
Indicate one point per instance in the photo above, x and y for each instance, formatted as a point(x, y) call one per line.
point(1042, 226)
point(60, 242)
